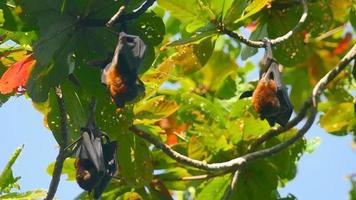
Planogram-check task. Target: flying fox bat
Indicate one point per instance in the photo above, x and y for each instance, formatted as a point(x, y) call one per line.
point(120, 75)
point(96, 161)
point(270, 98)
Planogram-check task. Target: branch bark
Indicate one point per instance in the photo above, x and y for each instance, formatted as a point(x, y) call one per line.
point(261, 44)
point(56, 176)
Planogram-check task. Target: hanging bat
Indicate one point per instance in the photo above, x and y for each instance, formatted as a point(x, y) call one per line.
point(96, 161)
point(120, 75)
point(270, 98)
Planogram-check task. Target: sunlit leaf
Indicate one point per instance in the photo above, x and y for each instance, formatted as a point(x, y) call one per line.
point(215, 188)
point(339, 118)
point(68, 169)
point(35, 194)
point(217, 69)
point(235, 11)
point(253, 8)
point(16, 76)
point(7, 180)
point(154, 109)
point(312, 144)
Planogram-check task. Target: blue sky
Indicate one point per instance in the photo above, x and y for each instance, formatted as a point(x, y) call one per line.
point(321, 175)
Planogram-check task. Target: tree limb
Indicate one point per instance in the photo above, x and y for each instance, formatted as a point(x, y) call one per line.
point(56, 176)
point(242, 160)
point(121, 18)
point(261, 44)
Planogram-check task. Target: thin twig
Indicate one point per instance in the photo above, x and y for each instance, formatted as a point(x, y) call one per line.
point(260, 44)
point(115, 17)
point(232, 186)
point(240, 161)
point(56, 176)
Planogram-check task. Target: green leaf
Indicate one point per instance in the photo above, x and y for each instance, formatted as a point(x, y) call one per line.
point(258, 34)
point(219, 67)
point(215, 188)
point(193, 39)
point(253, 8)
point(195, 108)
point(11, 14)
point(339, 119)
point(191, 13)
point(155, 77)
point(2, 20)
point(235, 11)
point(352, 192)
point(149, 27)
point(7, 180)
point(76, 113)
point(172, 178)
point(196, 149)
point(34, 194)
point(352, 16)
point(184, 10)
point(154, 109)
point(135, 161)
point(192, 57)
point(68, 168)
point(301, 87)
point(312, 144)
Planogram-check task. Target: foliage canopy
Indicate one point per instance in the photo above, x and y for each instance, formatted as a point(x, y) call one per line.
point(193, 75)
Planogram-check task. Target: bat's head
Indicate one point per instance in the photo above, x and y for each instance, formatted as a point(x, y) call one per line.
point(86, 174)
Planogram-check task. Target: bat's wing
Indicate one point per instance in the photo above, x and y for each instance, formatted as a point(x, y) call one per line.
point(132, 51)
point(91, 149)
point(110, 151)
point(128, 56)
point(286, 108)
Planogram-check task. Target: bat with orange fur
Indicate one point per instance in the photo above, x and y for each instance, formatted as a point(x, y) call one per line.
point(270, 98)
point(121, 74)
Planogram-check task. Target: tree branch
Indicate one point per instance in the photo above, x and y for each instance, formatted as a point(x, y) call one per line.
point(242, 160)
point(122, 18)
point(115, 17)
point(261, 44)
point(56, 176)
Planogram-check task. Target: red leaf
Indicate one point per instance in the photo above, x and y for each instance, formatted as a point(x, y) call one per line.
point(343, 44)
point(15, 78)
point(172, 129)
point(252, 26)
